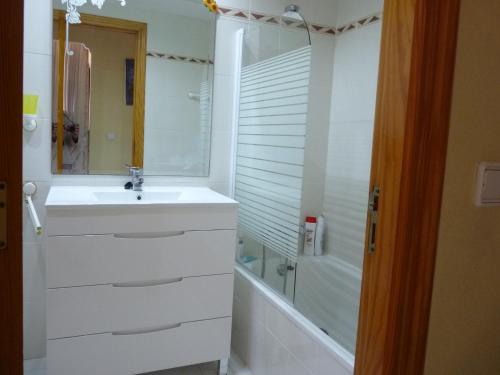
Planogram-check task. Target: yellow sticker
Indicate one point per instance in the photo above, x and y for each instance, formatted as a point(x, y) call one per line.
point(30, 104)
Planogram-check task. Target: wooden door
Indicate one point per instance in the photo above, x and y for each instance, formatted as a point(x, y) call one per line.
point(11, 82)
point(411, 131)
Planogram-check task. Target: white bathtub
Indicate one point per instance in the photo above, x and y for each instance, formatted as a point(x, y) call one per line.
point(327, 292)
point(272, 337)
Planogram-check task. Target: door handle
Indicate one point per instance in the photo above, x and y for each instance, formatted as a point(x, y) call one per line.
point(3, 215)
point(373, 212)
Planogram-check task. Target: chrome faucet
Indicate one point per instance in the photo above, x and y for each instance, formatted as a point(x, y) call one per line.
point(137, 177)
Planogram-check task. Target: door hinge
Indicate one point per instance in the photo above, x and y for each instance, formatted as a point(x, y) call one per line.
point(3, 215)
point(373, 212)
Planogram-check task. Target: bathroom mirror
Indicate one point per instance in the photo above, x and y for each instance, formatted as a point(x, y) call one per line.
point(133, 86)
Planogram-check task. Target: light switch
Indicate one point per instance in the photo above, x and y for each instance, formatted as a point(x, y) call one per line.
point(488, 184)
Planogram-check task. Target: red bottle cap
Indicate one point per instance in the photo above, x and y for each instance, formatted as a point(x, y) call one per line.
point(310, 219)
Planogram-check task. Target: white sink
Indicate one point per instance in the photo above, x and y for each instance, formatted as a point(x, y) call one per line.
point(99, 196)
point(137, 196)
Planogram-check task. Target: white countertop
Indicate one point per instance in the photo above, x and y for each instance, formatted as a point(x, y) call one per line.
point(99, 196)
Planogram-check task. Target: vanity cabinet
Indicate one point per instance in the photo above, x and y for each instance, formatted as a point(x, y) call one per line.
point(138, 289)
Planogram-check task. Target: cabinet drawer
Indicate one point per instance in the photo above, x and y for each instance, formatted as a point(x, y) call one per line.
point(102, 220)
point(115, 258)
point(124, 353)
point(108, 308)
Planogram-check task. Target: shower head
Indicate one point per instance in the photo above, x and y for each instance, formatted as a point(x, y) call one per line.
point(292, 8)
point(292, 12)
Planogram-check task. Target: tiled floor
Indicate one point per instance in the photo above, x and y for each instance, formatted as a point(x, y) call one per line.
point(37, 367)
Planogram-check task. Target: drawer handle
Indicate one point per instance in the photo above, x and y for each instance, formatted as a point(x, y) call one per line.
point(146, 330)
point(148, 235)
point(141, 284)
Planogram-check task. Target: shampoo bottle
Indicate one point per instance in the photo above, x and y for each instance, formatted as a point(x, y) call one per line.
point(320, 236)
point(309, 236)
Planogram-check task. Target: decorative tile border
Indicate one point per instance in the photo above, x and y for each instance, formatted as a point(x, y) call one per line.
point(288, 22)
point(360, 23)
point(274, 20)
point(179, 58)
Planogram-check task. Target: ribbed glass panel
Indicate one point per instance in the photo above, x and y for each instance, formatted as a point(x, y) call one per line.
point(205, 125)
point(270, 156)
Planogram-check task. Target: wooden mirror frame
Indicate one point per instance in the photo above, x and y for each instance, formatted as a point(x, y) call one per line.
point(131, 27)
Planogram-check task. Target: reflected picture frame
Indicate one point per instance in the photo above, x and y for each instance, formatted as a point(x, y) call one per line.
point(129, 81)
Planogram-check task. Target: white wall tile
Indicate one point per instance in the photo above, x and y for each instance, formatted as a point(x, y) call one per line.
point(312, 198)
point(166, 79)
point(220, 187)
point(37, 80)
point(37, 152)
point(275, 7)
point(323, 49)
point(315, 156)
point(38, 26)
point(34, 331)
point(240, 4)
point(355, 74)
point(350, 10)
point(318, 11)
point(350, 145)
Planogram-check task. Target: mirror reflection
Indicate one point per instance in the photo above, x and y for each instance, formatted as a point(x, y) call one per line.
point(133, 86)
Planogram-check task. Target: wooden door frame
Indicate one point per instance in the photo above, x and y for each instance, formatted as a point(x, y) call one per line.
point(410, 141)
point(140, 30)
point(11, 287)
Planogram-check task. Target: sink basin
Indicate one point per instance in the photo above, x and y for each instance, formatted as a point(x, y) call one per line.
point(136, 196)
point(115, 196)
